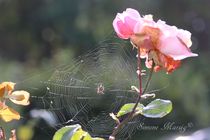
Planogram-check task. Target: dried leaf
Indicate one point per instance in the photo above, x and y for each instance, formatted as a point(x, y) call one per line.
point(9, 86)
point(13, 135)
point(20, 97)
point(8, 114)
point(6, 87)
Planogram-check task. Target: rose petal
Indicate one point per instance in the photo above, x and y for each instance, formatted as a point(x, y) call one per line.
point(173, 47)
point(20, 97)
point(185, 36)
point(168, 31)
point(115, 25)
point(132, 13)
point(146, 21)
point(124, 30)
point(125, 22)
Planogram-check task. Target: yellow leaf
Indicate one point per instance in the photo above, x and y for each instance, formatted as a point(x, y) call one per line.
point(8, 114)
point(20, 97)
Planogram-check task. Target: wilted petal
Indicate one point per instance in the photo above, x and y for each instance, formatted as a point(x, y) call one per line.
point(20, 97)
point(8, 114)
point(138, 40)
point(162, 61)
point(173, 47)
point(168, 63)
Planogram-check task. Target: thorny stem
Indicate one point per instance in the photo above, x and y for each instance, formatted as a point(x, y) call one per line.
point(139, 73)
point(132, 113)
point(149, 79)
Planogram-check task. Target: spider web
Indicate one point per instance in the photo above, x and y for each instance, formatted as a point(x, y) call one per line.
point(70, 93)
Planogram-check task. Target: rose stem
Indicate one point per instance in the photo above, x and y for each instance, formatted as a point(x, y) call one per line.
point(131, 115)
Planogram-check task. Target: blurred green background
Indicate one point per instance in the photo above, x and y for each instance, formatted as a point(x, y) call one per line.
point(37, 35)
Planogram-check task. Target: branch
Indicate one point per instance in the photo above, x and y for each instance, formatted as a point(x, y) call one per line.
point(2, 134)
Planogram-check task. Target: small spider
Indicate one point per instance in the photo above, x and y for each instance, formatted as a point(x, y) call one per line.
point(100, 89)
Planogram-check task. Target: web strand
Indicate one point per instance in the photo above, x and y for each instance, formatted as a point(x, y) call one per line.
point(70, 93)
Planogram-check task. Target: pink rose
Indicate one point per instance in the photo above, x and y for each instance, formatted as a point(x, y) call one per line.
point(159, 43)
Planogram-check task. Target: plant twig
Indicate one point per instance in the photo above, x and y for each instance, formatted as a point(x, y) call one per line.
point(2, 134)
point(132, 113)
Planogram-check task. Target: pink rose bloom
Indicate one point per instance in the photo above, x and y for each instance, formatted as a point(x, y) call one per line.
point(159, 43)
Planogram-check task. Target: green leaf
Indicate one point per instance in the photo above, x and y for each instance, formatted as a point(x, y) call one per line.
point(127, 108)
point(65, 133)
point(157, 108)
point(80, 134)
point(73, 132)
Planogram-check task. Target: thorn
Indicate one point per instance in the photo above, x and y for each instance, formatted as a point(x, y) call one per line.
point(143, 70)
point(138, 72)
point(145, 96)
point(134, 46)
point(135, 89)
point(143, 74)
point(114, 118)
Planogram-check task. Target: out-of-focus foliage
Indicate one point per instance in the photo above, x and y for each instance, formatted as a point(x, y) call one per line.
point(73, 132)
point(37, 35)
